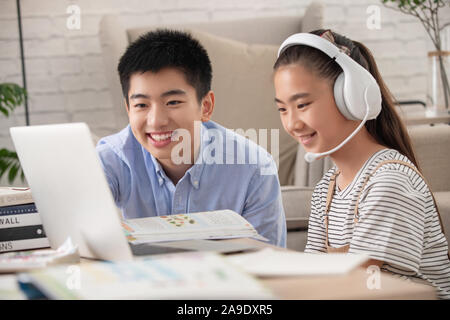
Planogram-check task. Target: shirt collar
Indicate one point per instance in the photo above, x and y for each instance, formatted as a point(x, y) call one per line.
point(160, 174)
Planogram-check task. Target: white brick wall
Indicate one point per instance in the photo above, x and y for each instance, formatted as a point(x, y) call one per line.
point(64, 67)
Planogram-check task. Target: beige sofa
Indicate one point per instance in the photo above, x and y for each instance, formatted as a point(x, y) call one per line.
point(242, 54)
point(432, 146)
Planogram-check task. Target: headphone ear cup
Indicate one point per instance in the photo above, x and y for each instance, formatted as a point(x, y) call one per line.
point(339, 96)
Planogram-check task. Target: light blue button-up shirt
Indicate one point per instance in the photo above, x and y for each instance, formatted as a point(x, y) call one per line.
point(251, 188)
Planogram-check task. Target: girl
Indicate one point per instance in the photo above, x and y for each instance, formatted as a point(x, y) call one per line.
point(374, 200)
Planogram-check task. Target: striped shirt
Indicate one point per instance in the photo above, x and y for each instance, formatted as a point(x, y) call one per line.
point(398, 222)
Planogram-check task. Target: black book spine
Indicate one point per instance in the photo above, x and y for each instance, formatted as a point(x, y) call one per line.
point(18, 209)
point(21, 233)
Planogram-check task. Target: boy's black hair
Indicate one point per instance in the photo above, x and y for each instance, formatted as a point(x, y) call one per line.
point(165, 48)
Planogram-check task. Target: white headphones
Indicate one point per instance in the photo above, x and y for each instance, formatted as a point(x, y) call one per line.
point(353, 88)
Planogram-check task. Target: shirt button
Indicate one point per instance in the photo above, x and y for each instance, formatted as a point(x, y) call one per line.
point(196, 183)
point(160, 180)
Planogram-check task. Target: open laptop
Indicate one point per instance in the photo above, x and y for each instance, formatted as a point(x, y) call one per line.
point(73, 198)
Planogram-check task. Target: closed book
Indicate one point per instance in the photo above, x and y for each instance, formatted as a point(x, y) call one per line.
point(18, 209)
point(21, 233)
point(10, 196)
point(25, 244)
point(20, 220)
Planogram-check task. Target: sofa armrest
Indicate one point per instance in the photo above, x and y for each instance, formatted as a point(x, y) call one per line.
point(431, 147)
point(443, 203)
point(297, 224)
point(297, 206)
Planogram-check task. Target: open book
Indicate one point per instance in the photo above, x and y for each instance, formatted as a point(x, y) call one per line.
point(220, 224)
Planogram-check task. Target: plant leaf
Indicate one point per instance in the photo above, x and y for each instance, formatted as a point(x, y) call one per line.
point(11, 96)
point(9, 163)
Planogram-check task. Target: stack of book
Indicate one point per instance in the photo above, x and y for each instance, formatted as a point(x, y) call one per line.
point(20, 223)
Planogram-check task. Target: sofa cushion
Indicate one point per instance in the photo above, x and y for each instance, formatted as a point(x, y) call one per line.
point(262, 30)
point(296, 240)
point(313, 17)
point(309, 174)
point(297, 204)
point(297, 207)
point(242, 83)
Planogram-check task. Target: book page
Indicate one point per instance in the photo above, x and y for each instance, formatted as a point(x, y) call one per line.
point(9, 288)
point(225, 219)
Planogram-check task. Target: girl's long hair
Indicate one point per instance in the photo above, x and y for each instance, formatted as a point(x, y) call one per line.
point(388, 129)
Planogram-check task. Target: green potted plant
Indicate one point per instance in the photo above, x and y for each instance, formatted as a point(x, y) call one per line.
point(427, 11)
point(11, 96)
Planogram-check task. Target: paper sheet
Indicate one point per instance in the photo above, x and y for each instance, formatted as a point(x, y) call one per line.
point(9, 289)
point(270, 262)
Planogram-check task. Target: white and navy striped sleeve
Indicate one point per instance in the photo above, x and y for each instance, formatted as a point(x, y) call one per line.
point(391, 220)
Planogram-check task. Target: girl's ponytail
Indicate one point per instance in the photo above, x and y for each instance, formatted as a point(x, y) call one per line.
point(388, 129)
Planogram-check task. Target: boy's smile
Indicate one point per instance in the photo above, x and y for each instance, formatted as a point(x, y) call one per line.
point(160, 139)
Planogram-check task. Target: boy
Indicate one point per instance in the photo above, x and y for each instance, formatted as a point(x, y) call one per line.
point(166, 78)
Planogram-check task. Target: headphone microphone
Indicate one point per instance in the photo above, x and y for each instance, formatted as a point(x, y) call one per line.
point(353, 88)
